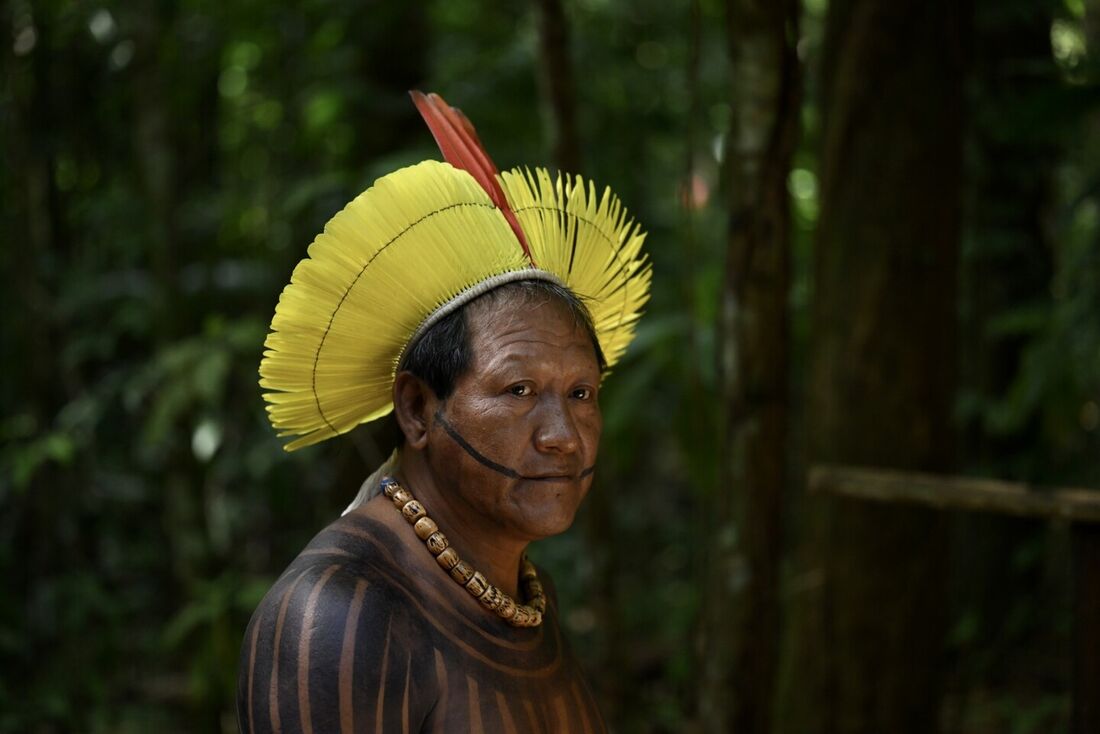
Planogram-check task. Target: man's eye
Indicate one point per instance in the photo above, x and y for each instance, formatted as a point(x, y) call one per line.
point(520, 390)
point(582, 393)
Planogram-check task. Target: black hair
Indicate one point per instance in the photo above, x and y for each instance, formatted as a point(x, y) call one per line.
point(443, 353)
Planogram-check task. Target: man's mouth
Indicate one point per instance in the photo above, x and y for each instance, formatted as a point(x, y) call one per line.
point(560, 476)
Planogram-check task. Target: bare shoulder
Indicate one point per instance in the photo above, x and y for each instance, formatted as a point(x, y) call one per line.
point(332, 642)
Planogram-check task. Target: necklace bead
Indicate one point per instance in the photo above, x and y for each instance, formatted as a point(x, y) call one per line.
point(424, 527)
point(490, 596)
point(462, 573)
point(413, 511)
point(447, 558)
point(437, 543)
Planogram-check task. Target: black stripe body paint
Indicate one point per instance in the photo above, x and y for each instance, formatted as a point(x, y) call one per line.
point(489, 463)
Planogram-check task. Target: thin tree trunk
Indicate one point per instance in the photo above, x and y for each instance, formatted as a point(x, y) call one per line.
point(1007, 266)
point(1086, 539)
point(882, 379)
point(700, 431)
point(742, 625)
point(557, 84)
point(154, 149)
point(1091, 22)
point(35, 381)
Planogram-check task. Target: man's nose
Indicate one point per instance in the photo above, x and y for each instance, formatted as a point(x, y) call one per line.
point(557, 431)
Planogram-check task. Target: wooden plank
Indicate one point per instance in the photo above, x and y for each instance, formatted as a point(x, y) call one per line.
point(957, 493)
point(1086, 629)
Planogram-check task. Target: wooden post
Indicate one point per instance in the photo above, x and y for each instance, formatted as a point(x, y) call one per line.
point(1081, 507)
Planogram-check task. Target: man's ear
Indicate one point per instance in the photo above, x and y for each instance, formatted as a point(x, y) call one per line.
point(414, 404)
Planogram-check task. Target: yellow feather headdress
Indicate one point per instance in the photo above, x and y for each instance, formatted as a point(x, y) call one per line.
point(421, 242)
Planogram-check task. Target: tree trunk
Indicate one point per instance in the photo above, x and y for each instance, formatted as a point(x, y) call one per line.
point(1086, 538)
point(557, 82)
point(742, 616)
point(155, 139)
point(882, 379)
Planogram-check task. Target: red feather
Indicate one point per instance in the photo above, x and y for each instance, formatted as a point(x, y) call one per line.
point(458, 141)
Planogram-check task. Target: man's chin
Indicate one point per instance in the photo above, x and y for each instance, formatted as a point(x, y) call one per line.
point(544, 527)
point(548, 508)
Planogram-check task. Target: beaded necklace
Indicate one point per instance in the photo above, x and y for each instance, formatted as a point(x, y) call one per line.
point(491, 597)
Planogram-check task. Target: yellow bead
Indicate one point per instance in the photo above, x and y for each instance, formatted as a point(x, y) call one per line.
point(400, 497)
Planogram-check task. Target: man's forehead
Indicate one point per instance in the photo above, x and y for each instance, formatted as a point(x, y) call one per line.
point(511, 332)
point(520, 315)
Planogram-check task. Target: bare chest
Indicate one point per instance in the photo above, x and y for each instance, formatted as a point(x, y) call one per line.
point(477, 695)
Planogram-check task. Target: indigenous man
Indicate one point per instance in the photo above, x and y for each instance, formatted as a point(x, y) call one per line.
point(483, 309)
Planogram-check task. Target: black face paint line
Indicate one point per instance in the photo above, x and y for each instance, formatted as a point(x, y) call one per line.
point(487, 462)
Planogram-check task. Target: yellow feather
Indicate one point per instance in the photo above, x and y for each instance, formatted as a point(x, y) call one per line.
point(412, 241)
point(589, 243)
point(415, 241)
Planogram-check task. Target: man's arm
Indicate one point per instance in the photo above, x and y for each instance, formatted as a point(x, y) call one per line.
point(327, 651)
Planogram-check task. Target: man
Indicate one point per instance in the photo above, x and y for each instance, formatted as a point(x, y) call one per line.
point(483, 310)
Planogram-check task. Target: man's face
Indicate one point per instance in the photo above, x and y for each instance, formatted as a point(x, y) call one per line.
point(516, 441)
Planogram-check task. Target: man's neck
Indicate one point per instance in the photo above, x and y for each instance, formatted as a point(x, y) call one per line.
point(475, 540)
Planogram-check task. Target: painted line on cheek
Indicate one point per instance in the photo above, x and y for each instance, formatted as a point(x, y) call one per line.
point(486, 461)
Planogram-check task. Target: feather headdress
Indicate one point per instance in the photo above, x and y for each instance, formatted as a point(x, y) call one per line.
point(420, 243)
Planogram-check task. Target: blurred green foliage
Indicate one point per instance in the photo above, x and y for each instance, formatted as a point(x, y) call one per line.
point(165, 167)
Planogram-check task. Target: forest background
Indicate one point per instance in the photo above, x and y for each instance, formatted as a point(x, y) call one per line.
point(874, 227)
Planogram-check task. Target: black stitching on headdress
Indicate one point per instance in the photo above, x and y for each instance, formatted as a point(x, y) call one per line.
point(616, 249)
